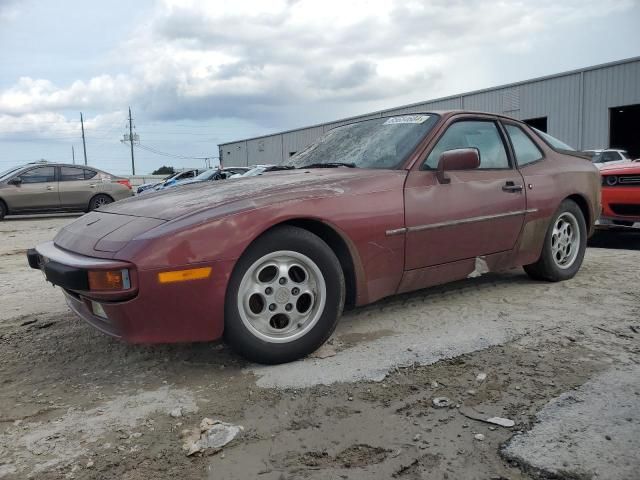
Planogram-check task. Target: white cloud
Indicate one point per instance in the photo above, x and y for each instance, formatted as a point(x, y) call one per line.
point(51, 125)
point(35, 96)
point(256, 60)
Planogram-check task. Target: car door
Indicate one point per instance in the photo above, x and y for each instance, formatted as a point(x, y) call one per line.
point(78, 185)
point(479, 212)
point(37, 189)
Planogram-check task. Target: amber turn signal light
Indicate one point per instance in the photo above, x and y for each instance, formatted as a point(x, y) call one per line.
point(109, 280)
point(184, 275)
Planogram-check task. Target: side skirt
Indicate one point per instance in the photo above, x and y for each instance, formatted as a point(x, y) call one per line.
point(458, 270)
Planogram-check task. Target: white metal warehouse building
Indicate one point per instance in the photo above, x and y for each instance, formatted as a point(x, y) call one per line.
point(594, 107)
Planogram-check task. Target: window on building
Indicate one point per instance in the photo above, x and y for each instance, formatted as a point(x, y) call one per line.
point(482, 135)
point(525, 150)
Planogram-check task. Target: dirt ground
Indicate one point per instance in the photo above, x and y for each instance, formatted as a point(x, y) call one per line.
point(560, 360)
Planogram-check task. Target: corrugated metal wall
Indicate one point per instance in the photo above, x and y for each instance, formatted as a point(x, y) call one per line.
point(234, 154)
point(607, 88)
point(576, 106)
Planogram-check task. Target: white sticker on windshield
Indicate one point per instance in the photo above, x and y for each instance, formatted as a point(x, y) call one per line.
point(406, 119)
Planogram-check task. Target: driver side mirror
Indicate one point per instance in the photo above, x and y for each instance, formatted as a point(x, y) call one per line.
point(458, 159)
point(15, 181)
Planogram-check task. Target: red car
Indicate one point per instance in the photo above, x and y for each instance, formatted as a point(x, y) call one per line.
point(621, 193)
point(371, 209)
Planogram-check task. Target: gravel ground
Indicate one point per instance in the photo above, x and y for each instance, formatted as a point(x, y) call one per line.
point(561, 361)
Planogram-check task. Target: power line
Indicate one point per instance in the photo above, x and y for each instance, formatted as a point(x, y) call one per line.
point(172, 155)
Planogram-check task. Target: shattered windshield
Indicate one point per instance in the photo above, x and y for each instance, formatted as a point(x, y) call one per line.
point(378, 143)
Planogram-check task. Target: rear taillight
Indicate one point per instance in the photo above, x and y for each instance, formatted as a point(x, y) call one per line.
point(125, 182)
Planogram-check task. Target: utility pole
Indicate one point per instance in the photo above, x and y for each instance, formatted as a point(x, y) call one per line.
point(84, 145)
point(73, 155)
point(133, 163)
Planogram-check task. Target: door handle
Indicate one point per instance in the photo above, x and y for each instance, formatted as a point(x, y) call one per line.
point(49, 187)
point(510, 186)
point(93, 185)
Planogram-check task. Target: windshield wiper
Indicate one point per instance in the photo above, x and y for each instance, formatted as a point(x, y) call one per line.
point(330, 165)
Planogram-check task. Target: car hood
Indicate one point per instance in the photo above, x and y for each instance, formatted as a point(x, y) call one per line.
point(251, 192)
point(621, 168)
point(104, 232)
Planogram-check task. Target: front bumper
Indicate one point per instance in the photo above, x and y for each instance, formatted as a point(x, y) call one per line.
point(149, 312)
point(621, 203)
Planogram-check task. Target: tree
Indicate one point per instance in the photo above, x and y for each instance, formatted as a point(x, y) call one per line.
point(164, 170)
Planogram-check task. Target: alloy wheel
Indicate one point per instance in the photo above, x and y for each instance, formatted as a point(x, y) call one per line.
point(281, 296)
point(565, 240)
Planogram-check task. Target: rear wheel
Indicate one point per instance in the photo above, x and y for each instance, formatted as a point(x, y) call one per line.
point(564, 245)
point(3, 209)
point(284, 298)
point(99, 200)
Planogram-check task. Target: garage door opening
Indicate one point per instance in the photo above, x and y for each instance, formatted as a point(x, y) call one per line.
point(623, 129)
point(540, 123)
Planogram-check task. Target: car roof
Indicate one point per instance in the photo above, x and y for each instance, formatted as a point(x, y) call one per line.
point(71, 165)
point(444, 114)
point(57, 164)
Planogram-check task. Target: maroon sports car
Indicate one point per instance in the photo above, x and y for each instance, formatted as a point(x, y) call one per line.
point(373, 208)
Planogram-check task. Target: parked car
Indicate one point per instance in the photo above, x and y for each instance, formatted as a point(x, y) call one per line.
point(210, 175)
point(252, 171)
point(609, 156)
point(54, 187)
point(171, 179)
point(373, 208)
point(621, 194)
point(260, 169)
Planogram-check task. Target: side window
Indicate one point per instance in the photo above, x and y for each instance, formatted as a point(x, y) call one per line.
point(483, 135)
point(526, 151)
point(39, 175)
point(69, 174)
point(89, 174)
point(610, 156)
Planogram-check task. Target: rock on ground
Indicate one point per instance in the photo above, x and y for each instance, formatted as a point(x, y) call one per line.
point(591, 432)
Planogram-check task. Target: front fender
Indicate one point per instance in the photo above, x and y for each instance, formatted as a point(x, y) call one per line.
point(361, 221)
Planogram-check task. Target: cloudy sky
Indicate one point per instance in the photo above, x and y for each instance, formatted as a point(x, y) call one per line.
point(199, 73)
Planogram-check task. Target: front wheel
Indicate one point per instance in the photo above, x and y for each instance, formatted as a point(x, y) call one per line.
point(284, 298)
point(3, 210)
point(564, 245)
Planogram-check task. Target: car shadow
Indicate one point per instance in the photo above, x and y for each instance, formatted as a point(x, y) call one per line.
point(616, 238)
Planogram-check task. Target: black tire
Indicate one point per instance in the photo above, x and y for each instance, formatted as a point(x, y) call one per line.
point(546, 267)
point(98, 201)
point(3, 210)
point(303, 242)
